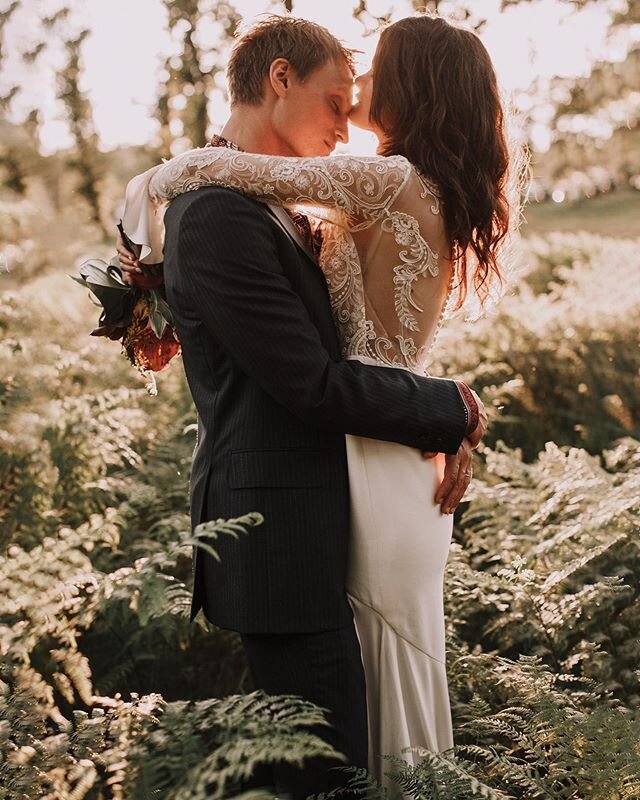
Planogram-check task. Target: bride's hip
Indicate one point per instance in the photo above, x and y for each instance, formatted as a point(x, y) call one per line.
point(394, 465)
point(397, 531)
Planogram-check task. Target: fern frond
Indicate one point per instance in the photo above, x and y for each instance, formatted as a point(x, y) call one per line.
point(441, 776)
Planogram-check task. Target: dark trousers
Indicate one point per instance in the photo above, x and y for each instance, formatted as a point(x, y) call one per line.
point(326, 668)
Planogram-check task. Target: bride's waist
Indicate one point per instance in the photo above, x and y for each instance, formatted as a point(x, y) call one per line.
point(417, 370)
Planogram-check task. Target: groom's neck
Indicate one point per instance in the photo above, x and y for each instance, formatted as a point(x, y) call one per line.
point(250, 128)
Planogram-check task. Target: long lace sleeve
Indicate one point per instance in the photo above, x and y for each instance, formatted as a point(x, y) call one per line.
point(385, 252)
point(360, 188)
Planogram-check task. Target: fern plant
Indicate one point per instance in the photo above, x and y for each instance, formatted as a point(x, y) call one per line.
point(543, 608)
point(548, 564)
point(146, 747)
point(551, 737)
point(557, 360)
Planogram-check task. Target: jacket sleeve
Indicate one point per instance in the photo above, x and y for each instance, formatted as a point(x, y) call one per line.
point(229, 268)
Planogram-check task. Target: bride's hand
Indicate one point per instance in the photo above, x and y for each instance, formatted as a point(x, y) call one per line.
point(457, 477)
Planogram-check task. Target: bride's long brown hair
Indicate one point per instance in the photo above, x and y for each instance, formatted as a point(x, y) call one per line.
point(436, 99)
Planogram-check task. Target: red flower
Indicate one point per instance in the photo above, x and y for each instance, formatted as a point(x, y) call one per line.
point(141, 345)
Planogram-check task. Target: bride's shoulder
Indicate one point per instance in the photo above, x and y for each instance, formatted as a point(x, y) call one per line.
point(381, 163)
point(390, 173)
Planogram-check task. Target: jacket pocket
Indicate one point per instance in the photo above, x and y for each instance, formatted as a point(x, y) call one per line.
point(277, 468)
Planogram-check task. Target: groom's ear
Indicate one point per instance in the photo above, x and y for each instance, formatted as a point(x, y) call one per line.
point(280, 76)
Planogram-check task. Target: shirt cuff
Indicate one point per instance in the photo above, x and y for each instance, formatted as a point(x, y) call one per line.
point(471, 407)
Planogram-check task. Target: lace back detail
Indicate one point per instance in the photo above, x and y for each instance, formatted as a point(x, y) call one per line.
point(363, 338)
point(389, 307)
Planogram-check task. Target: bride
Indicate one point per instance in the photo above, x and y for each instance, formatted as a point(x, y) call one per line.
point(406, 235)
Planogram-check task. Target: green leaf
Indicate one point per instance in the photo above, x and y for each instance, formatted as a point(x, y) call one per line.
point(163, 306)
point(105, 282)
point(157, 320)
point(98, 273)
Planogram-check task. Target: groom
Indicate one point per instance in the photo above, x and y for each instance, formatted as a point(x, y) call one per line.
point(274, 400)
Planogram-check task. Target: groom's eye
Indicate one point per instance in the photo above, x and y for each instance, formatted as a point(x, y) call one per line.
point(336, 106)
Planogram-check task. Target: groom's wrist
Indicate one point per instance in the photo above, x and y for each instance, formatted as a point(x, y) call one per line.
point(472, 411)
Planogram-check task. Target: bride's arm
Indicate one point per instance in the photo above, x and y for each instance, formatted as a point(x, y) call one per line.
point(360, 187)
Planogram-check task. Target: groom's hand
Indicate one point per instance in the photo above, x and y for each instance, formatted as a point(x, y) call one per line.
point(457, 477)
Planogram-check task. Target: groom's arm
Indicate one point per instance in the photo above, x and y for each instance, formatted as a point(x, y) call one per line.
point(229, 268)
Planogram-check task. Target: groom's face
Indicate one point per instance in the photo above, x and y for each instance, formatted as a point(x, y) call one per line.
point(311, 116)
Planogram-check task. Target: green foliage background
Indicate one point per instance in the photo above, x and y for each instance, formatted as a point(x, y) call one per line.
point(106, 690)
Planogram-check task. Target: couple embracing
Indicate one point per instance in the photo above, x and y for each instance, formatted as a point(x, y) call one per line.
point(307, 292)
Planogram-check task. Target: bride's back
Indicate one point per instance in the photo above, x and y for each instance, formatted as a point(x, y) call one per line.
point(389, 276)
point(385, 251)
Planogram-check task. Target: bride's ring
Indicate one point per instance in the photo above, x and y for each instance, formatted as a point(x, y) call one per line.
point(468, 474)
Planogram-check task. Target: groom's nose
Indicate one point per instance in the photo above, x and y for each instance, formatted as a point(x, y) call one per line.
point(342, 129)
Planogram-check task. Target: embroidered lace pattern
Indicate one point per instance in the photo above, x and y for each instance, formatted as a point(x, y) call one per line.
point(382, 238)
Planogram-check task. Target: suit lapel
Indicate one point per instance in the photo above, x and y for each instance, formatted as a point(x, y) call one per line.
point(286, 223)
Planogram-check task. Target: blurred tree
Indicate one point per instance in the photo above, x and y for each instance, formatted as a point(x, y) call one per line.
point(87, 160)
point(595, 142)
point(463, 10)
point(370, 22)
point(597, 122)
point(190, 74)
point(13, 176)
point(5, 16)
point(18, 144)
point(19, 151)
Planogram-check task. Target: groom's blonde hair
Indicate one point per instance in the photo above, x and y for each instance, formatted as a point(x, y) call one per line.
point(306, 46)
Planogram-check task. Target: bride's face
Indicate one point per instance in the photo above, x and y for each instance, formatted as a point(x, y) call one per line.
point(359, 114)
point(361, 110)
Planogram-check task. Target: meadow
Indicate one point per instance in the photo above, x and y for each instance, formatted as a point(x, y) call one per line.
point(106, 690)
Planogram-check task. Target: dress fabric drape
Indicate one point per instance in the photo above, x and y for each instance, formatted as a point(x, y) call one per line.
point(399, 544)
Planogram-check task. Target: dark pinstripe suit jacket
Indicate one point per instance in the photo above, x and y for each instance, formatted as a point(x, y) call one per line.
point(274, 401)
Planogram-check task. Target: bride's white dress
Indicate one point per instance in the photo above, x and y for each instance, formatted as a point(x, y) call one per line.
point(385, 255)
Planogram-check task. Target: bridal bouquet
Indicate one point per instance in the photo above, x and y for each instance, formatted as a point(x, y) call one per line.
point(138, 315)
